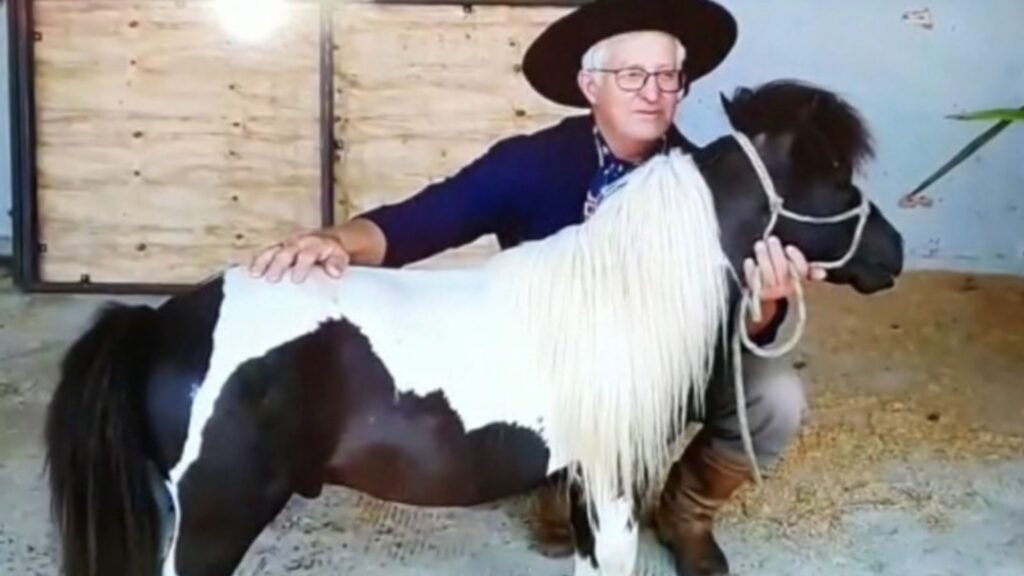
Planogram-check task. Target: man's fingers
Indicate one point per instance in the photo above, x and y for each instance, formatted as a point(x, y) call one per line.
point(805, 268)
point(259, 264)
point(780, 264)
point(327, 250)
point(282, 261)
point(764, 264)
point(750, 271)
point(336, 263)
point(298, 257)
point(798, 260)
point(304, 262)
point(333, 258)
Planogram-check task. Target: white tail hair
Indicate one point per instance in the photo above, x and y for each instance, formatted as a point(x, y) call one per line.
point(622, 314)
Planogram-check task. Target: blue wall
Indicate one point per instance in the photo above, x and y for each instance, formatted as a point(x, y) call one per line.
point(905, 79)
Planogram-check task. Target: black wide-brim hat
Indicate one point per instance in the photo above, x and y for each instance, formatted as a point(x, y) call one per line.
point(551, 63)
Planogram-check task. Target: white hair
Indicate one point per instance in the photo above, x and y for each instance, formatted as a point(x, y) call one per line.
point(620, 316)
point(594, 57)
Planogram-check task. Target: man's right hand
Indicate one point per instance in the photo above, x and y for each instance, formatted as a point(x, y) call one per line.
point(300, 255)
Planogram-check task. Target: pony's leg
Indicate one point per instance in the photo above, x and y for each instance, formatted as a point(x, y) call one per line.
point(610, 547)
point(583, 537)
point(220, 514)
point(551, 531)
point(224, 498)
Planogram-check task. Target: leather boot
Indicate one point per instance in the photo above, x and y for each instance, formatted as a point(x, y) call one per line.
point(699, 484)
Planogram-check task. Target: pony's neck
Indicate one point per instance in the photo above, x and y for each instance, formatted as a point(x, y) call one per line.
point(740, 204)
point(622, 315)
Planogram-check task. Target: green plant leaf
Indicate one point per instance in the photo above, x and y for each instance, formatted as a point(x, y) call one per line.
point(1007, 114)
point(972, 146)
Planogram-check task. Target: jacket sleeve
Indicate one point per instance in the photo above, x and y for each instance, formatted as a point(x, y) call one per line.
point(453, 212)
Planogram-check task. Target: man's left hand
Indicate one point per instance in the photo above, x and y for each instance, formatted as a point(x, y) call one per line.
point(772, 264)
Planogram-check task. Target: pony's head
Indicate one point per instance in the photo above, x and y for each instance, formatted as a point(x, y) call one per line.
point(812, 144)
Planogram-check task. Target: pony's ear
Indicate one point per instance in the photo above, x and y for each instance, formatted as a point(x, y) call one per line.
point(727, 107)
point(730, 106)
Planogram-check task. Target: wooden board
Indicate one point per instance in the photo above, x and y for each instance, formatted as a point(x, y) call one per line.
point(165, 149)
point(422, 90)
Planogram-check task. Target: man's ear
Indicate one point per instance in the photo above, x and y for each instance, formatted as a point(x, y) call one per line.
point(588, 86)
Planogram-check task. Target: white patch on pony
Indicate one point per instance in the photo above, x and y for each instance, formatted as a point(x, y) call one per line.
point(593, 337)
point(452, 331)
point(168, 562)
point(616, 538)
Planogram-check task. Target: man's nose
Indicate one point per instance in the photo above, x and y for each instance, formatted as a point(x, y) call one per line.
point(649, 91)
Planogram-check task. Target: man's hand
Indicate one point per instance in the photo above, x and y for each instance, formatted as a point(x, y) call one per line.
point(771, 265)
point(300, 255)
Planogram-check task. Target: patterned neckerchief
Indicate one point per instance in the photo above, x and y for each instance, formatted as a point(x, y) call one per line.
point(609, 170)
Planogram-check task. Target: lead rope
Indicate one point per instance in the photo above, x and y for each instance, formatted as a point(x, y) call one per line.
point(751, 297)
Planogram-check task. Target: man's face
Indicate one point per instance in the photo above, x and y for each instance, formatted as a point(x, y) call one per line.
point(645, 114)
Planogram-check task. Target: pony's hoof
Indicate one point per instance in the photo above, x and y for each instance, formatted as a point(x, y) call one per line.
point(556, 551)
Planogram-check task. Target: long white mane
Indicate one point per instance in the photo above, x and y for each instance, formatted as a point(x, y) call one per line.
point(622, 314)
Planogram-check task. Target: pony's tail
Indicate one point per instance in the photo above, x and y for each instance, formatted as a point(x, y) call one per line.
point(100, 491)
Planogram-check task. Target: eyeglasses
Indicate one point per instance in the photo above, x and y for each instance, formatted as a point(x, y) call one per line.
point(634, 79)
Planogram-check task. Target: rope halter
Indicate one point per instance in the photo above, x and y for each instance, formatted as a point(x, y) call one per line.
point(751, 296)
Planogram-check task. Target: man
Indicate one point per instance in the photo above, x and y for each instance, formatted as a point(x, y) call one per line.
point(630, 62)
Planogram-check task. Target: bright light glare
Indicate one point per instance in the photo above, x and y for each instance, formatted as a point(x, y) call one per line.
point(251, 20)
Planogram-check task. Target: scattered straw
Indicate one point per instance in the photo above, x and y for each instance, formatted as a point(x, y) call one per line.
point(851, 448)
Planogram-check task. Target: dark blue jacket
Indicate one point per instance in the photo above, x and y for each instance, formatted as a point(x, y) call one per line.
point(523, 188)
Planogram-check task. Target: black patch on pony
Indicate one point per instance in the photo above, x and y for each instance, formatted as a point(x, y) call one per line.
point(415, 449)
point(583, 537)
point(182, 350)
point(276, 422)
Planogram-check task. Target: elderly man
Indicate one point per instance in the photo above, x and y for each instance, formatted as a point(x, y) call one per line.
point(630, 62)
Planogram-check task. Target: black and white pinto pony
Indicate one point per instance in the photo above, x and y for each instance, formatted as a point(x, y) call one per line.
point(582, 352)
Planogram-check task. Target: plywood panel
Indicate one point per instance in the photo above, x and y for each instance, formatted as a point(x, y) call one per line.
point(165, 149)
point(422, 90)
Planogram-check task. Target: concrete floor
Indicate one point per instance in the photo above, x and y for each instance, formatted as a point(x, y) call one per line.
point(912, 461)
